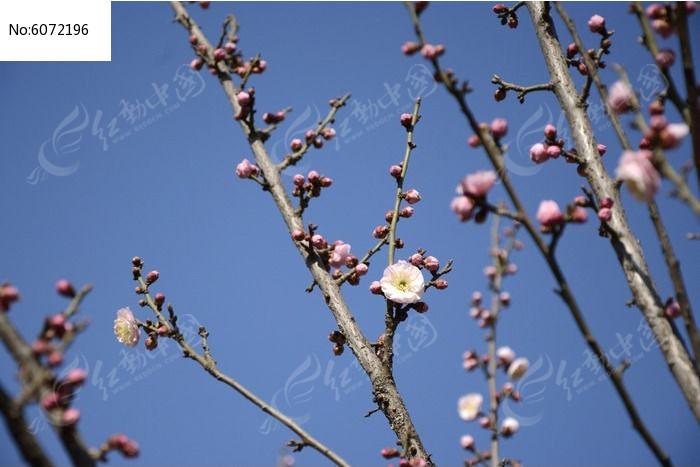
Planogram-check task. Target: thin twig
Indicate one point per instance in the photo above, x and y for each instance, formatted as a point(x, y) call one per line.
point(522, 90)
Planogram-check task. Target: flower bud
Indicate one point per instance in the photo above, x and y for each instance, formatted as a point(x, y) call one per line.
point(405, 120)
point(70, 417)
point(65, 288)
point(296, 144)
point(375, 287)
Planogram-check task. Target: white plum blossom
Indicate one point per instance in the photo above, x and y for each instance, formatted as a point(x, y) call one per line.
point(125, 327)
point(509, 426)
point(517, 369)
point(469, 406)
point(402, 282)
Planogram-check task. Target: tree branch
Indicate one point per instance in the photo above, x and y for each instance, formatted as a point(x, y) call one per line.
point(383, 385)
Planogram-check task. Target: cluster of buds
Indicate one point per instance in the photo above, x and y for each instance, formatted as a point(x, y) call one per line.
point(126, 327)
point(472, 192)
point(119, 442)
point(246, 169)
point(313, 138)
point(661, 133)
point(245, 99)
point(391, 453)
point(506, 15)
point(430, 264)
point(57, 401)
point(311, 185)
point(272, 118)
point(338, 339)
point(663, 17)
point(226, 54)
point(498, 127)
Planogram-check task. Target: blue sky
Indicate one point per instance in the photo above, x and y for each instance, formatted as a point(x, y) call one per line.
point(162, 186)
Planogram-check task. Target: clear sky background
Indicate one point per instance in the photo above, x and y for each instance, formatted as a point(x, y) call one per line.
point(163, 187)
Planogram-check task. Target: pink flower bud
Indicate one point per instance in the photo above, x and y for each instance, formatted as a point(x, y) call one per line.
point(596, 24)
point(361, 269)
point(500, 8)
point(163, 330)
point(151, 342)
point(440, 284)
point(75, 377)
point(51, 401)
point(538, 153)
point(405, 120)
point(672, 309)
point(620, 97)
point(673, 135)
point(298, 180)
point(219, 54)
point(55, 358)
point(310, 134)
point(380, 231)
point(196, 64)
point(318, 241)
point(474, 141)
point(375, 287)
point(499, 128)
point(41, 346)
point(152, 276)
point(412, 196)
point(504, 298)
point(130, 448)
point(193, 39)
point(313, 177)
point(395, 171)
point(298, 235)
point(65, 288)
point(245, 169)
point(409, 48)
point(230, 47)
point(490, 271)
point(663, 28)
point(318, 143)
point(655, 11)
point(579, 215)
point(665, 58)
point(505, 355)
point(296, 144)
point(431, 263)
point(467, 442)
point(406, 212)
point(484, 422)
point(70, 417)
point(549, 214)
point(550, 132)
point(328, 133)
point(416, 259)
point(429, 52)
point(57, 321)
point(474, 312)
point(606, 202)
point(159, 299)
point(604, 214)
point(580, 201)
point(511, 268)
point(553, 151)
point(571, 51)
point(582, 68)
point(388, 453)
point(326, 182)
point(463, 206)
point(421, 307)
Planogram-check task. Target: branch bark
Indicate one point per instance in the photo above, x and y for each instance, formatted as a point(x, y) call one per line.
point(623, 241)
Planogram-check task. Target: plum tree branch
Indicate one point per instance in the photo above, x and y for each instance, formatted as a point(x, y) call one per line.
point(383, 386)
point(495, 155)
point(623, 241)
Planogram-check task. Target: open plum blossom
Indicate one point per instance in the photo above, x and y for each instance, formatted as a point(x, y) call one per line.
point(640, 176)
point(340, 253)
point(125, 327)
point(402, 282)
point(469, 406)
